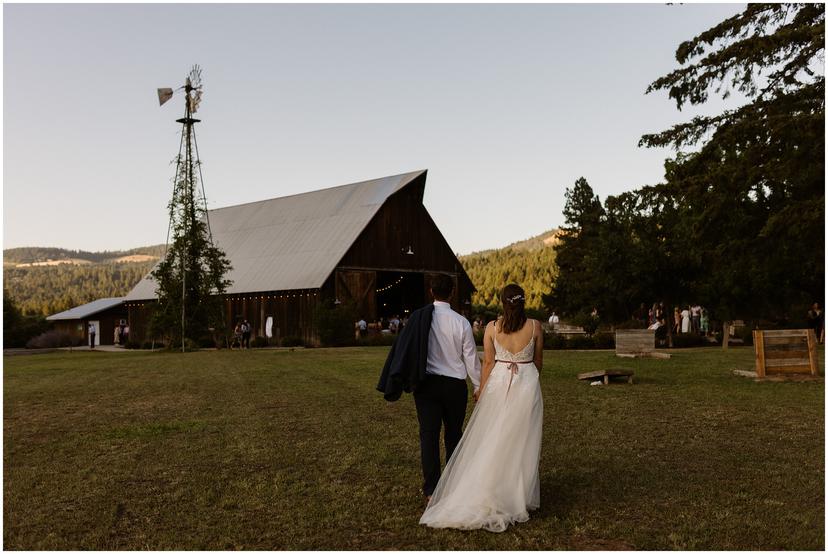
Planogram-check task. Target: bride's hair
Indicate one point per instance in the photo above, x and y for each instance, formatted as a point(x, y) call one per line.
point(514, 314)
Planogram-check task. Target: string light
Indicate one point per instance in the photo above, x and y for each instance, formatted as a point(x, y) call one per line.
point(392, 285)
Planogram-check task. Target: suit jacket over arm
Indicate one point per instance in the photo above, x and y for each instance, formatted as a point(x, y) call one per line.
point(405, 366)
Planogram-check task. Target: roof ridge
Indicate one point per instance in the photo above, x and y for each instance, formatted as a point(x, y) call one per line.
point(412, 173)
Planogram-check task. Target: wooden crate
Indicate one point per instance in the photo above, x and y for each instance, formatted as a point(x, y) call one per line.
point(635, 343)
point(785, 352)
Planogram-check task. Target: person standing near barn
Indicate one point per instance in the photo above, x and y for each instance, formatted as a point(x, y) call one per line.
point(92, 330)
point(117, 337)
point(245, 329)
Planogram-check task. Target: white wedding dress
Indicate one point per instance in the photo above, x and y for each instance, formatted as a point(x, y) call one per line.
point(491, 480)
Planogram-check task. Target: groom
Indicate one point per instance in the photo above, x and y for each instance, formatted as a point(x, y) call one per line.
point(431, 358)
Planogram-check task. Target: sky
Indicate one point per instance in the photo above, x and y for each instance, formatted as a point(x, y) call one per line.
point(505, 105)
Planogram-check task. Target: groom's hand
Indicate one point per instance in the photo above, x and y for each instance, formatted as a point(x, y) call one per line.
point(476, 395)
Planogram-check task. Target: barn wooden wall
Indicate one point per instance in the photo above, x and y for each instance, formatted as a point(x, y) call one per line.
point(292, 313)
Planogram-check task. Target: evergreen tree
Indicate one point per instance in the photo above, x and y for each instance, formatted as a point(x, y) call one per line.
point(749, 200)
point(575, 288)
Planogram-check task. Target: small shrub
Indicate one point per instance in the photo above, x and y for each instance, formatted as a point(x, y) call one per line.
point(603, 340)
point(580, 342)
point(335, 322)
point(293, 341)
point(554, 341)
point(206, 342)
point(53, 339)
point(586, 322)
point(258, 342)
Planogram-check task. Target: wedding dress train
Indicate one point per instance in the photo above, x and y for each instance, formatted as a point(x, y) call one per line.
point(491, 480)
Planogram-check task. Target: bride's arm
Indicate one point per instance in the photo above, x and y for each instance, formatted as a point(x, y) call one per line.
point(538, 345)
point(488, 357)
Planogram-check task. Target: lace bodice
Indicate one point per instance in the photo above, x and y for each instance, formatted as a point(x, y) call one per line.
point(525, 355)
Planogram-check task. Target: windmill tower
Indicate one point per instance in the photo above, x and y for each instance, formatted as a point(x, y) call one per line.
point(188, 206)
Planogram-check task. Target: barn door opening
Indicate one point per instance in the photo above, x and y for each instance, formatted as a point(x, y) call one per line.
point(399, 293)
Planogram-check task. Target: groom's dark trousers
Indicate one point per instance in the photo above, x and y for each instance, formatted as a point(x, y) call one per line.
point(440, 401)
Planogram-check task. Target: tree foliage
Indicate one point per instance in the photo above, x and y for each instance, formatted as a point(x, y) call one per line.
point(529, 263)
point(196, 286)
point(738, 223)
point(47, 290)
point(191, 278)
point(751, 200)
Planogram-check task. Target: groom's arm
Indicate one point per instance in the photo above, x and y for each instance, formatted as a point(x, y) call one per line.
point(470, 358)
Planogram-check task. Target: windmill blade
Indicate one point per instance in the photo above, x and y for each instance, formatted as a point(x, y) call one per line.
point(195, 100)
point(164, 94)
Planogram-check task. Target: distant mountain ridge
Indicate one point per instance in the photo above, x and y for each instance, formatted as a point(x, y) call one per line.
point(38, 255)
point(46, 281)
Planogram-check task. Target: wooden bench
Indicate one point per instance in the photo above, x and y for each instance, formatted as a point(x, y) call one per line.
point(635, 343)
point(785, 352)
point(606, 374)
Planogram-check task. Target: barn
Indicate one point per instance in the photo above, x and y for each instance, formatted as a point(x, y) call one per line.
point(104, 313)
point(370, 244)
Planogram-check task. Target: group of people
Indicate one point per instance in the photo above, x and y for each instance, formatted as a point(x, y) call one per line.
point(392, 325)
point(241, 335)
point(121, 333)
point(491, 478)
point(690, 319)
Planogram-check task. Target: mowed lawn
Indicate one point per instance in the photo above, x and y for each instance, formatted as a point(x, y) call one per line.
point(296, 450)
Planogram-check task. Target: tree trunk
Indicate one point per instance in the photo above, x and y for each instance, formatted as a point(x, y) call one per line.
point(725, 334)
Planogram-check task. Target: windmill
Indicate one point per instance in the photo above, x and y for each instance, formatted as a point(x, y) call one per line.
point(184, 210)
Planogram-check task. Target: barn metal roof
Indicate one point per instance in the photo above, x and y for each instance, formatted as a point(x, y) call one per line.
point(292, 242)
point(86, 310)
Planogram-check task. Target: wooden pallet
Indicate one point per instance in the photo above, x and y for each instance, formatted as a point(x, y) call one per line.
point(785, 352)
point(606, 374)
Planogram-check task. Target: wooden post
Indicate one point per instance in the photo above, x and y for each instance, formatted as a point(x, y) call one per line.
point(725, 334)
point(759, 351)
point(812, 353)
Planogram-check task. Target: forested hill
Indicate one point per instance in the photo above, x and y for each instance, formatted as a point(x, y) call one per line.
point(529, 263)
point(53, 256)
point(45, 281)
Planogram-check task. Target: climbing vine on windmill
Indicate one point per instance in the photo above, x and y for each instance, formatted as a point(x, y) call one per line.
point(191, 278)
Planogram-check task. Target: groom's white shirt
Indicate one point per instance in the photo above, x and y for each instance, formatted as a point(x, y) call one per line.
point(451, 348)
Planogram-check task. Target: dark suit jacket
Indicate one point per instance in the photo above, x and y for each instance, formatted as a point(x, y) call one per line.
point(406, 363)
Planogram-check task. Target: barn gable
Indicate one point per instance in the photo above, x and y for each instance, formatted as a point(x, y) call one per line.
point(292, 242)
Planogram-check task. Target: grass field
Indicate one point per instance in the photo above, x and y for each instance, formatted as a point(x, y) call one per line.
point(296, 450)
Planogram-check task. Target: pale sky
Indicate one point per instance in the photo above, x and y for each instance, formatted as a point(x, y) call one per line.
point(505, 105)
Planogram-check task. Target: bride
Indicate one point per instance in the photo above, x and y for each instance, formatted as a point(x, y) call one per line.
point(491, 480)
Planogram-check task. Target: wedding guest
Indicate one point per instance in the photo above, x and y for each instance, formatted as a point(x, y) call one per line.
point(245, 329)
point(237, 336)
point(704, 322)
point(685, 320)
point(695, 318)
point(117, 338)
point(92, 331)
point(816, 321)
